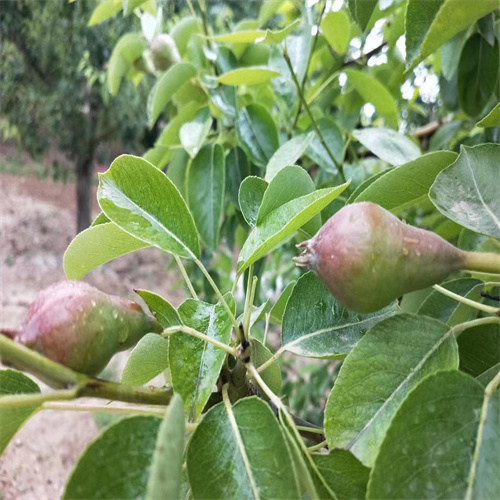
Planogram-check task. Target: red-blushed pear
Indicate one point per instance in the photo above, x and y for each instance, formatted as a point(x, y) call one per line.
point(79, 326)
point(367, 257)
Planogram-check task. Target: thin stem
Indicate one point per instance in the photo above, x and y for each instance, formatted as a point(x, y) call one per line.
point(185, 276)
point(266, 328)
point(235, 283)
point(314, 430)
point(489, 320)
point(488, 392)
point(112, 409)
point(250, 306)
point(271, 360)
point(311, 52)
point(248, 294)
point(23, 400)
point(484, 262)
point(318, 446)
point(464, 300)
point(323, 87)
point(311, 117)
point(268, 392)
point(195, 333)
point(217, 292)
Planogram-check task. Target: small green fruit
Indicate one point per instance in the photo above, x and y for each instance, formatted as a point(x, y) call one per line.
point(81, 327)
point(164, 52)
point(367, 257)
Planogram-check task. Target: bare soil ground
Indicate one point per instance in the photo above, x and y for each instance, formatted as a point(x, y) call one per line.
point(37, 221)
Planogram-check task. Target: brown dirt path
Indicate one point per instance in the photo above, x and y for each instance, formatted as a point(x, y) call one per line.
point(37, 221)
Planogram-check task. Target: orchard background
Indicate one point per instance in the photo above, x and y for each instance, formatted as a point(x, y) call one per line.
point(247, 125)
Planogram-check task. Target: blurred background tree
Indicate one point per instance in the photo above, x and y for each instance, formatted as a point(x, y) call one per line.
point(53, 87)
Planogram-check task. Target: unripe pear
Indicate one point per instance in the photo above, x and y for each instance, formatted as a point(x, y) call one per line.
point(164, 52)
point(367, 257)
point(79, 326)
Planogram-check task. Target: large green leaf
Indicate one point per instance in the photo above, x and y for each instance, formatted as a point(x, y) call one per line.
point(389, 361)
point(205, 185)
point(195, 364)
point(467, 191)
point(128, 49)
point(278, 308)
point(346, 476)
point(163, 311)
point(166, 468)
point(288, 154)
point(428, 449)
point(193, 134)
point(288, 184)
point(407, 184)
point(116, 464)
point(147, 360)
point(492, 119)
point(141, 199)
point(479, 349)
point(477, 74)
point(335, 141)
point(237, 169)
point(316, 325)
point(166, 87)
point(13, 382)
point(336, 28)
point(96, 246)
point(251, 75)
point(283, 222)
point(257, 133)
point(426, 33)
point(372, 90)
point(240, 452)
point(388, 145)
point(361, 11)
point(186, 29)
point(105, 10)
point(250, 197)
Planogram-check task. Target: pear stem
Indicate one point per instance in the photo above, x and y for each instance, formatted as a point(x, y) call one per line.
point(483, 262)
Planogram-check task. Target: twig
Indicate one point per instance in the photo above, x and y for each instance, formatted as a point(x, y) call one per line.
point(185, 276)
point(195, 333)
point(464, 300)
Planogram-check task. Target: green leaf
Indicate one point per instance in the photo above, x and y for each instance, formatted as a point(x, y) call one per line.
point(116, 464)
point(388, 145)
point(130, 5)
point(147, 360)
point(193, 134)
point(195, 364)
point(283, 222)
point(477, 74)
point(365, 184)
point(290, 183)
point(344, 474)
point(250, 197)
point(105, 10)
point(450, 54)
point(428, 446)
point(361, 11)
point(267, 10)
point(185, 30)
point(163, 311)
point(371, 90)
point(166, 468)
point(479, 349)
point(100, 219)
point(272, 374)
point(237, 169)
point(166, 87)
point(389, 361)
point(257, 133)
point(467, 191)
point(288, 154)
point(205, 184)
point(251, 75)
point(128, 49)
point(141, 199)
point(240, 452)
point(316, 325)
point(96, 246)
point(492, 119)
point(429, 33)
point(335, 141)
point(13, 382)
point(278, 309)
point(439, 306)
point(407, 184)
point(336, 28)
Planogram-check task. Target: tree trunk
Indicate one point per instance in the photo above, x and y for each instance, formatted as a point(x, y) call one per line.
point(84, 176)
